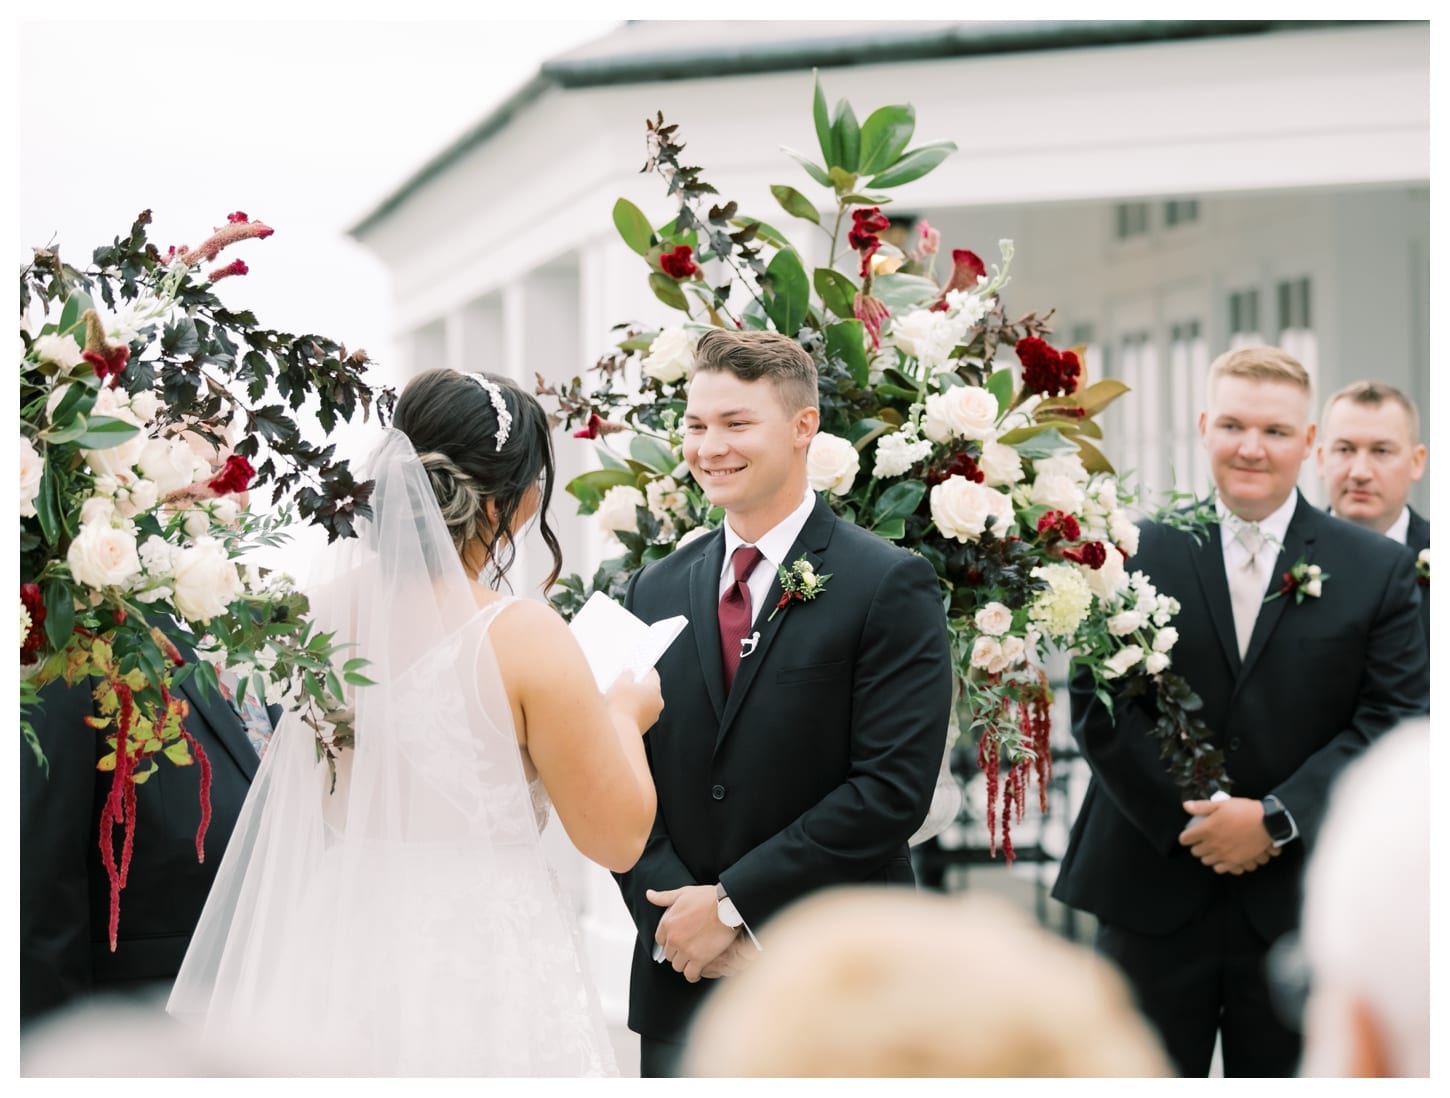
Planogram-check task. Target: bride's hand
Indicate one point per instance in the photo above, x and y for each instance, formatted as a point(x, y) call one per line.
point(638, 699)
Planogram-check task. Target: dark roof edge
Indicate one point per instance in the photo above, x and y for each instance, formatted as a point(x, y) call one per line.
point(963, 41)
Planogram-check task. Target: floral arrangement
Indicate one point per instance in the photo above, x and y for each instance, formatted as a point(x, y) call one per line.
point(1422, 568)
point(929, 437)
point(135, 454)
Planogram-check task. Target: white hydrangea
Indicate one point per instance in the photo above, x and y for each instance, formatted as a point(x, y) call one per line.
point(898, 452)
point(1061, 608)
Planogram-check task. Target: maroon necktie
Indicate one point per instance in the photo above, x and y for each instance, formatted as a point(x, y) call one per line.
point(735, 610)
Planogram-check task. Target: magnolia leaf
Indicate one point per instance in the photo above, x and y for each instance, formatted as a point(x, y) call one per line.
point(633, 226)
point(75, 307)
point(60, 612)
point(47, 507)
point(103, 432)
point(837, 291)
point(1000, 384)
point(1100, 394)
point(600, 481)
point(823, 123)
point(903, 291)
point(914, 164)
point(1037, 440)
point(607, 458)
point(790, 293)
point(795, 203)
point(1093, 459)
point(668, 291)
point(847, 342)
point(900, 500)
point(841, 179)
point(847, 137)
point(654, 454)
point(814, 170)
point(356, 679)
point(884, 137)
point(891, 529)
point(854, 199)
point(79, 399)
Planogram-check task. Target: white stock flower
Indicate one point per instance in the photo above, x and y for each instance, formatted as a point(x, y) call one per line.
point(963, 411)
point(832, 464)
point(967, 308)
point(994, 619)
point(1062, 465)
point(1128, 621)
point(25, 622)
point(898, 452)
point(103, 555)
point(170, 462)
point(1122, 661)
point(691, 535)
point(960, 508)
point(32, 468)
point(1124, 532)
point(205, 580)
point(1165, 640)
point(664, 498)
point(1165, 609)
point(158, 556)
point(616, 509)
point(62, 350)
point(1057, 491)
point(670, 356)
point(1000, 464)
point(929, 336)
point(1156, 662)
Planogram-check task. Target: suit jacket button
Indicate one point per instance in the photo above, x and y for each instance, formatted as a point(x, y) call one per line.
point(1233, 744)
point(718, 792)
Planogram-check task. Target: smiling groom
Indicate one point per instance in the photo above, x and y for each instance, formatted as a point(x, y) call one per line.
point(800, 742)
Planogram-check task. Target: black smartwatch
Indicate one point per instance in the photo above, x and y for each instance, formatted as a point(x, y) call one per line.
point(1276, 820)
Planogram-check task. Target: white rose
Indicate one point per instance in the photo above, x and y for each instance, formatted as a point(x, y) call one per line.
point(62, 350)
point(1122, 661)
point(224, 511)
point(103, 556)
point(116, 460)
point(1156, 662)
point(960, 508)
point(1062, 465)
point(145, 405)
point(691, 535)
point(197, 523)
point(1014, 651)
point(170, 462)
point(616, 509)
point(1424, 557)
point(832, 464)
point(32, 468)
point(205, 580)
point(985, 652)
point(140, 496)
point(966, 411)
point(1000, 464)
point(1129, 621)
point(994, 619)
point(898, 452)
point(1165, 640)
point(1057, 491)
point(665, 498)
point(97, 511)
point(1110, 579)
point(670, 355)
point(1124, 532)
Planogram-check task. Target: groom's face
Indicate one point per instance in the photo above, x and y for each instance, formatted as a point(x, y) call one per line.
point(743, 446)
point(1257, 434)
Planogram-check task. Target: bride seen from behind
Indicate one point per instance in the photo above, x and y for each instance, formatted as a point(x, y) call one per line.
point(404, 920)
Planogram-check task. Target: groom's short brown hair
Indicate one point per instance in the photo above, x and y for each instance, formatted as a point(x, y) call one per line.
point(751, 356)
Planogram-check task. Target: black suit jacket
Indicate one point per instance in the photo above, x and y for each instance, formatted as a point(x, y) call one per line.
point(1417, 537)
point(821, 761)
point(1321, 680)
point(64, 892)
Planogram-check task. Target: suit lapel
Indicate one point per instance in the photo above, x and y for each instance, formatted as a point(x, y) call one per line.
point(1298, 545)
point(1208, 561)
point(704, 584)
point(225, 725)
point(812, 541)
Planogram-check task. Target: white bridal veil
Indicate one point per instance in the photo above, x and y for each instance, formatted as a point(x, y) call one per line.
point(406, 923)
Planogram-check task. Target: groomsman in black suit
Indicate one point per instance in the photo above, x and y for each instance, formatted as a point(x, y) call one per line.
point(1294, 689)
point(65, 951)
point(800, 742)
point(1370, 454)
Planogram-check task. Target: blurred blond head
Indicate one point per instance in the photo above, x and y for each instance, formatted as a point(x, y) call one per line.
point(870, 982)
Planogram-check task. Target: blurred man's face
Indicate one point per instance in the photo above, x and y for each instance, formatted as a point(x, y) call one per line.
point(1257, 434)
point(1369, 459)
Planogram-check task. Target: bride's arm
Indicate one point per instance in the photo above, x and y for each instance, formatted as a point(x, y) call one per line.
point(586, 746)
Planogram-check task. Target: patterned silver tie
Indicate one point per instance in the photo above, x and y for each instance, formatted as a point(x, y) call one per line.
point(1248, 580)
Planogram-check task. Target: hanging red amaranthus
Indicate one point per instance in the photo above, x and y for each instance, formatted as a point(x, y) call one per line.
point(1032, 714)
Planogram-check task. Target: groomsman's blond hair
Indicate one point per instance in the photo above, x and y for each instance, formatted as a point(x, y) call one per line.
point(1261, 363)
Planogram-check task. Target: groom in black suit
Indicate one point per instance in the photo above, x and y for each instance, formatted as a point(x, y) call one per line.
point(1294, 689)
point(800, 741)
point(1370, 456)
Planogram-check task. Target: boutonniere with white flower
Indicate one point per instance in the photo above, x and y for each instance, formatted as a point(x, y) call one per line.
point(1422, 567)
point(1303, 581)
point(798, 583)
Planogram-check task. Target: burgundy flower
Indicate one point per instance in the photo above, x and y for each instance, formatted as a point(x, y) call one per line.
point(967, 267)
point(237, 218)
point(1055, 525)
point(236, 476)
point(866, 222)
point(679, 263)
point(961, 465)
point(1091, 554)
point(872, 313)
point(31, 643)
point(235, 267)
point(108, 361)
point(592, 430)
point(1046, 370)
point(929, 243)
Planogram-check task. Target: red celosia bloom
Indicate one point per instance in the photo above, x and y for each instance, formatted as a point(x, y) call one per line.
point(591, 431)
point(106, 360)
point(235, 267)
point(961, 465)
point(1091, 554)
point(236, 476)
point(1058, 524)
point(1046, 370)
point(679, 263)
point(35, 604)
point(872, 313)
point(237, 218)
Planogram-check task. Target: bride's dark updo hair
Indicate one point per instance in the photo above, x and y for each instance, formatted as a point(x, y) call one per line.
point(453, 425)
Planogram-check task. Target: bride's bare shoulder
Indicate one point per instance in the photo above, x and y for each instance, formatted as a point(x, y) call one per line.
point(525, 617)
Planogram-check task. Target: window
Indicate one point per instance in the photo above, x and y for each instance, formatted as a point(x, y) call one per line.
point(1132, 219)
point(1180, 211)
point(1187, 369)
point(1142, 438)
point(1244, 328)
point(1296, 329)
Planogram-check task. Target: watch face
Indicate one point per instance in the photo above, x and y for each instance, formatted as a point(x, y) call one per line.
point(1276, 823)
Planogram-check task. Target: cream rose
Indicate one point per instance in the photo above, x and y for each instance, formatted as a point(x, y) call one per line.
point(32, 468)
point(170, 462)
point(140, 496)
point(994, 619)
point(1165, 639)
point(1057, 491)
point(963, 411)
point(1000, 464)
point(670, 355)
point(1129, 621)
point(1156, 662)
point(690, 535)
point(62, 350)
point(985, 652)
point(1122, 661)
point(832, 464)
point(960, 508)
point(103, 556)
point(616, 509)
point(205, 580)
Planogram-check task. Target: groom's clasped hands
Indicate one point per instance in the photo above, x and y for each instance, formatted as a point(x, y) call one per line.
point(695, 942)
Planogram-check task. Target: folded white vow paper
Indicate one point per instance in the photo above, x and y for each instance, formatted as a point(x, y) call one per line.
point(614, 640)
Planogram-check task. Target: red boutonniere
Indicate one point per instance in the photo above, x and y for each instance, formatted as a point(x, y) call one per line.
point(798, 583)
point(1422, 567)
point(1303, 581)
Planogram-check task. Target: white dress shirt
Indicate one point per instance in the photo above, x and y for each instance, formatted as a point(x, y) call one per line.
point(774, 545)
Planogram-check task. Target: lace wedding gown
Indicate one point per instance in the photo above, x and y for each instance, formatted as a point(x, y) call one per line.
point(407, 922)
